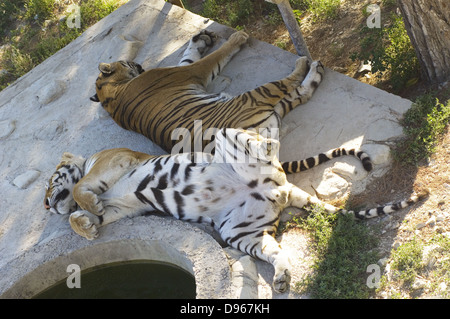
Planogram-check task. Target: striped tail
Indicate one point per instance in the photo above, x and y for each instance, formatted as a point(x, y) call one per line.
point(387, 209)
point(305, 164)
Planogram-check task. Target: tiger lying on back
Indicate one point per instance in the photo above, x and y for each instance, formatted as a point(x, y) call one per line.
point(158, 101)
point(240, 191)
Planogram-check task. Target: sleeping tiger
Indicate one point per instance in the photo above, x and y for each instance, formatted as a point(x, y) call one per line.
point(240, 191)
point(158, 101)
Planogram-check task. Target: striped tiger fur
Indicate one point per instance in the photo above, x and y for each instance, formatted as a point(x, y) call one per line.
point(240, 191)
point(313, 161)
point(158, 101)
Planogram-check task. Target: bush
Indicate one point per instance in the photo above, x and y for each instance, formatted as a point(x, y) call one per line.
point(324, 9)
point(423, 124)
point(8, 13)
point(390, 52)
point(232, 13)
point(39, 10)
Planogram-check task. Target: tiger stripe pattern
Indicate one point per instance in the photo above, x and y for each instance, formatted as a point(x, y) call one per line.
point(240, 191)
point(313, 161)
point(156, 102)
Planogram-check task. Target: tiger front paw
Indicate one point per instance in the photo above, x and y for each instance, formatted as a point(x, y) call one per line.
point(301, 66)
point(238, 38)
point(93, 205)
point(82, 225)
point(204, 40)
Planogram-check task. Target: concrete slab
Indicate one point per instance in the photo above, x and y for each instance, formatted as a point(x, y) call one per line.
point(47, 112)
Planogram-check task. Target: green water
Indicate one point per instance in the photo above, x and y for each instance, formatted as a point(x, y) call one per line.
point(137, 280)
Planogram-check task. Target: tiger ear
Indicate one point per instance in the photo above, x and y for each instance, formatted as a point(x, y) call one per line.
point(94, 98)
point(67, 156)
point(105, 68)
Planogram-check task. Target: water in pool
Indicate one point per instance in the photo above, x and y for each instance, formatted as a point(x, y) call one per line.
point(136, 279)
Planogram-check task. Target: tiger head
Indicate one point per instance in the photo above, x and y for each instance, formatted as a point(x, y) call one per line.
point(115, 73)
point(58, 190)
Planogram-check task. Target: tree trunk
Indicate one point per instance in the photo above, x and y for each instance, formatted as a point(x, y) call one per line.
point(428, 25)
point(177, 3)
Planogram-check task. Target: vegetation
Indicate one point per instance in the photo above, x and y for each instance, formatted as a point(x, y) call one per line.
point(39, 10)
point(323, 9)
point(239, 12)
point(232, 13)
point(423, 125)
point(408, 263)
point(390, 53)
point(344, 249)
point(40, 33)
point(407, 260)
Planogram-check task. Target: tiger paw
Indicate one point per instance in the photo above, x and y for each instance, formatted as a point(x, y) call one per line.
point(94, 205)
point(98, 209)
point(239, 37)
point(281, 280)
point(301, 66)
point(204, 40)
point(316, 71)
point(82, 225)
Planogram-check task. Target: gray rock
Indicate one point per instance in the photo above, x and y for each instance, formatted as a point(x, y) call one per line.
point(419, 284)
point(24, 180)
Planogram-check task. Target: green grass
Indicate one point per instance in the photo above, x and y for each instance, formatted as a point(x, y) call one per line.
point(39, 10)
point(423, 125)
point(32, 43)
point(344, 250)
point(232, 13)
point(324, 9)
point(407, 260)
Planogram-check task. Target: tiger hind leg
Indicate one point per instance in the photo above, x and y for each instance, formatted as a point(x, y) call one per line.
point(270, 250)
point(198, 46)
point(258, 241)
point(304, 92)
point(264, 247)
point(269, 94)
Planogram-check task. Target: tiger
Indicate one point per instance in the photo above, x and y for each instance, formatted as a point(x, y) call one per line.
point(240, 191)
point(156, 102)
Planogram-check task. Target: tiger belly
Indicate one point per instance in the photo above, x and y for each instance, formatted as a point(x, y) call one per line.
point(170, 184)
